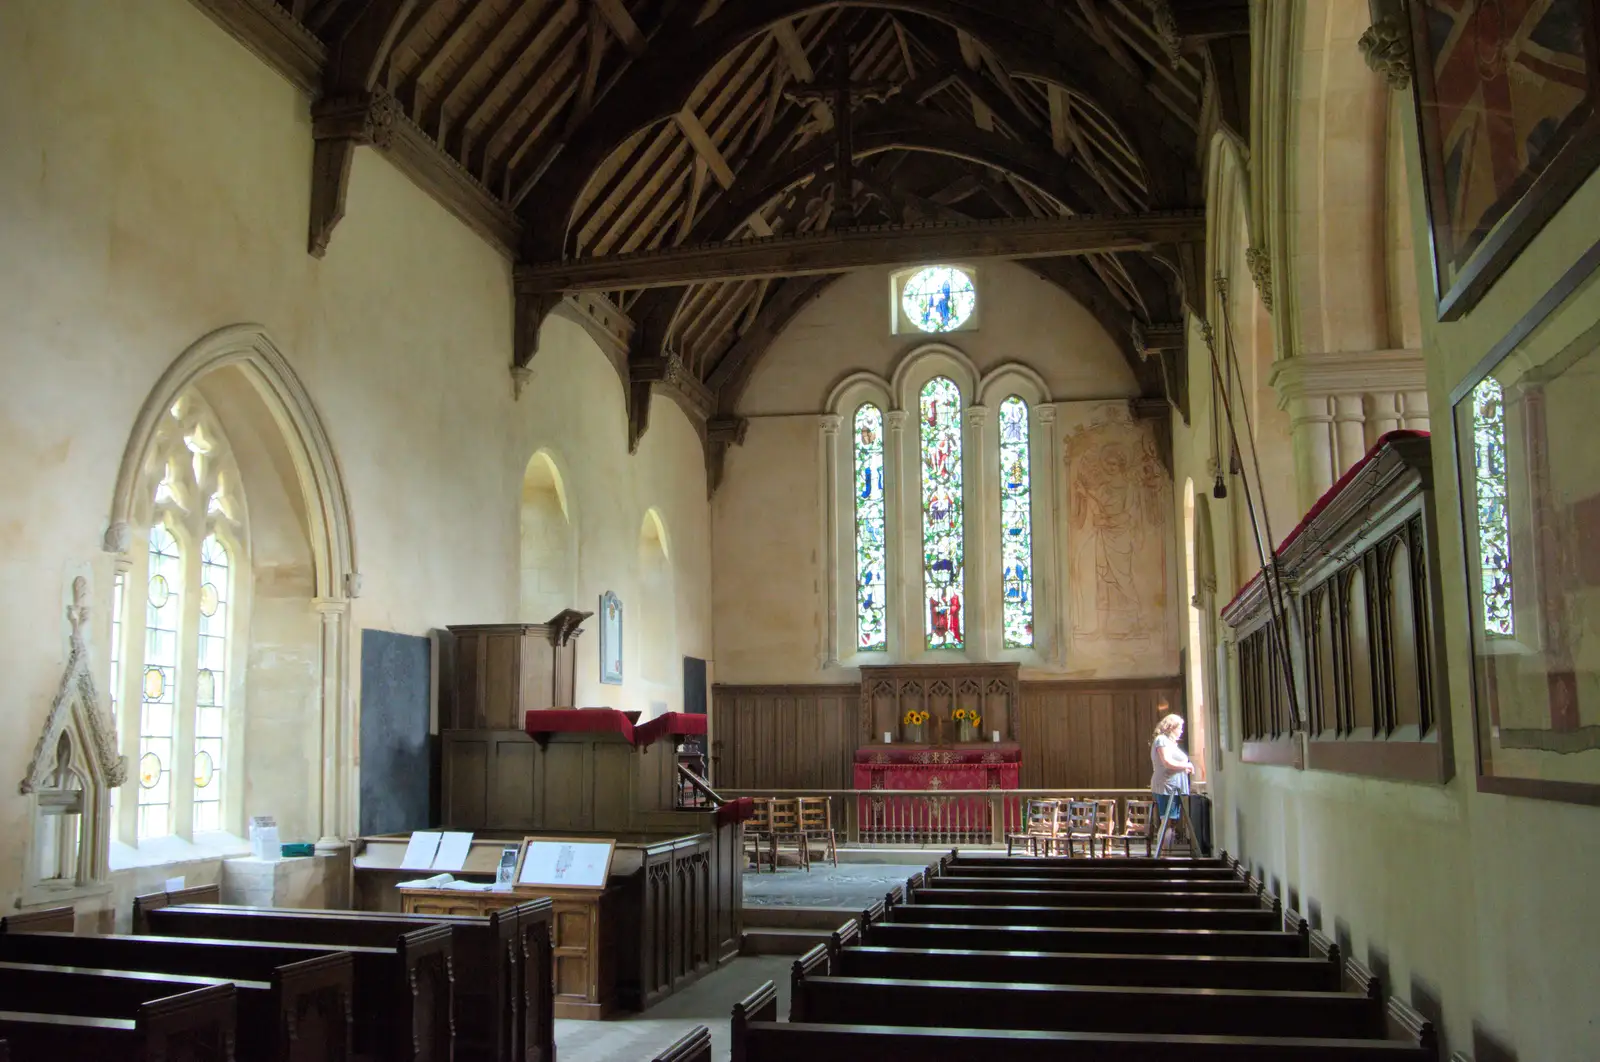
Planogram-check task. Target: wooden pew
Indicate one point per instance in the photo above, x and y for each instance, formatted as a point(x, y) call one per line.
point(692, 1046)
point(504, 987)
point(975, 859)
point(1086, 917)
point(1172, 971)
point(155, 901)
point(1087, 1008)
point(308, 1018)
point(404, 1006)
point(194, 1026)
point(1097, 941)
point(1007, 883)
point(1091, 869)
point(1063, 897)
point(48, 920)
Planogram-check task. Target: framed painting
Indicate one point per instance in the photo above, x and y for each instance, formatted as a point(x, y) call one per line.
point(1506, 108)
point(564, 862)
point(610, 639)
point(1530, 513)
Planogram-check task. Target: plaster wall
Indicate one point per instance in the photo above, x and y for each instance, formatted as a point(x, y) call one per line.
point(155, 187)
point(770, 514)
point(1474, 907)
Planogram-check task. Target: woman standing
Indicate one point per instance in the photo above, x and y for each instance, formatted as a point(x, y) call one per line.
point(1170, 766)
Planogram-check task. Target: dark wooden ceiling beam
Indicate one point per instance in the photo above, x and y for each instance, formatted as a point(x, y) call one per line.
point(275, 35)
point(1029, 40)
point(842, 251)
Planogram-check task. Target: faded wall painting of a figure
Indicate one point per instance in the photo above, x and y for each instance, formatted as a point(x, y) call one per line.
point(1118, 495)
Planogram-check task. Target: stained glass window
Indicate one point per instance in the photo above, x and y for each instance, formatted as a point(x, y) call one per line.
point(871, 569)
point(210, 699)
point(158, 685)
point(1494, 519)
point(1016, 526)
point(942, 512)
point(939, 298)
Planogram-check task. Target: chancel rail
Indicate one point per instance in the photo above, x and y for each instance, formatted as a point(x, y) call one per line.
point(937, 816)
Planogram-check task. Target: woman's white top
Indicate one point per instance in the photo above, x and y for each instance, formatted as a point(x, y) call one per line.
point(1164, 779)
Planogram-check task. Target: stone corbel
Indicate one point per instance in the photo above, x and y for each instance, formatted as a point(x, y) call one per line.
point(1386, 46)
point(1259, 262)
point(339, 126)
point(1166, 27)
point(721, 434)
point(530, 310)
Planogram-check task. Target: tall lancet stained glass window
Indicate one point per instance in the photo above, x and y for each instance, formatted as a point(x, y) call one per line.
point(1016, 526)
point(939, 298)
point(1494, 518)
point(211, 686)
point(943, 571)
point(871, 570)
point(158, 684)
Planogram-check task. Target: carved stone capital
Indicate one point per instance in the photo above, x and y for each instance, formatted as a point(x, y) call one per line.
point(896, 419)
point(1259, 262)
point(521, 377)
point(119, 536)
point(1046, 413)
point(1386, 45)
point(365, 119)
point(830, 423)
point(977, 416)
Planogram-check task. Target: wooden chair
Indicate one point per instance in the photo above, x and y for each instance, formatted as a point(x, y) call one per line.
point(1041, 828)
point(786, 831)
point(758, 834)
point(1105, 823)
point(1137, 816)
point(1079, 827)
point(816, 827)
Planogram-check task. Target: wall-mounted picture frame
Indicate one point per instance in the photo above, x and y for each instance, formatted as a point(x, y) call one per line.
point(1506, 109)
point(1525, 448)
point(610, 639)
point(564, 862)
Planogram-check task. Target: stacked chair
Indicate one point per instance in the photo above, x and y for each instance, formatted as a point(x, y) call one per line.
point(986, 958)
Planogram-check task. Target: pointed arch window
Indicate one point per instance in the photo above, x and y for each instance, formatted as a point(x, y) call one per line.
point(1016, 526)
point(210, 699)
point(943, 516)
point(158, 683)
point(871, 568)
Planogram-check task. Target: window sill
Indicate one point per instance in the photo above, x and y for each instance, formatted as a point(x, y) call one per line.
point(1428, 760)
point(161, 851)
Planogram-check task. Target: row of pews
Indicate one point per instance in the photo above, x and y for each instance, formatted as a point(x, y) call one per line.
point(205, 982)
point(984, 957)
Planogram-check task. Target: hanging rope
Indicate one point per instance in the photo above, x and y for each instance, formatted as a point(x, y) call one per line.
point(1260, 528)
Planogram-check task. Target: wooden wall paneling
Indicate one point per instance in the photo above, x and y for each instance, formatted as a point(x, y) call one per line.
point(513, 780)
point(464, 779)
point(501, 657)
point(785, 737)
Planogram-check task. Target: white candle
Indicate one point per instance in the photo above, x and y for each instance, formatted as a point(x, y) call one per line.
point(996, 736)
point(887, 737)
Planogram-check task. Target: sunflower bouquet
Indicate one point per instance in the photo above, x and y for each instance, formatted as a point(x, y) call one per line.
point(967, 723)
point(913, 720)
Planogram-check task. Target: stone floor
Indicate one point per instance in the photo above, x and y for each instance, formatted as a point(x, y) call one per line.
point(851, 886)
point(708, 1002)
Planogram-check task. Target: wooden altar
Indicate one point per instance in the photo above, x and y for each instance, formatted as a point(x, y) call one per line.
point(940, 690)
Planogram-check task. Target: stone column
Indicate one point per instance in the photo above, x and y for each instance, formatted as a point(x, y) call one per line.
point(905, 635)
point(832, 532)
point(1049, 607)
point(979, 607)
point(338, 745)
point(1340, 403)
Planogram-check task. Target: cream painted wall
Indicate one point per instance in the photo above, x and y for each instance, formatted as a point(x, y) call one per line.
point(769, 514)
point(1476, 908)
point(154, 187)
point(1021, 318)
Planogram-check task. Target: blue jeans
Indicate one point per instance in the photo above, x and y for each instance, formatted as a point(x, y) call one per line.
point(1167, 806)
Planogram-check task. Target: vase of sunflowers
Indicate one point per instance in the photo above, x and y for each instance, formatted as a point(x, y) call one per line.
point(967, 723)
point(912, 724)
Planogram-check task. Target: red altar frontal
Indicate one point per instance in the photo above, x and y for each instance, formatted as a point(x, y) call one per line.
point(986, 765)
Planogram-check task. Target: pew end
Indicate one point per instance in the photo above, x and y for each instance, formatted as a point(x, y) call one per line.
point(759, 1006)
point(817, 960)
point(155, 901)
point(692, 1046)
point(47, 920)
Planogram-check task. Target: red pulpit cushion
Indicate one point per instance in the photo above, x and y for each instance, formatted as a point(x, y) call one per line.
point(677, 724)
point(739, 809)
point(569, 720)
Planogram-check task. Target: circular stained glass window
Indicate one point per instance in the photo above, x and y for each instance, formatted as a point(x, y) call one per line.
point(155, 683)
point(939, 298)
point(208, 599)
point(149, 770)
point(204, 770)
point(159, 591)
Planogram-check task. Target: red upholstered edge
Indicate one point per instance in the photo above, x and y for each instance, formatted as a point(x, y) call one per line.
point(571, 720)
point(739, 809)
point(675, 723)
point(1331, 493)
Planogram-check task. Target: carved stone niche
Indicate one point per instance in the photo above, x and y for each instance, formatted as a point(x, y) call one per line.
point(75, 767)
point(889, 692)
